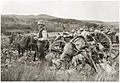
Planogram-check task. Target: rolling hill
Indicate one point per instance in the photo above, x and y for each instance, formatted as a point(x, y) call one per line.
point(29, 23)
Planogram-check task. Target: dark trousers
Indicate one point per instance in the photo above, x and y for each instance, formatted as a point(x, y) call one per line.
point(42, 47)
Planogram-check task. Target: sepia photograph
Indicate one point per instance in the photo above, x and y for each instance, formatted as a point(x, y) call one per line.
point(60, 40)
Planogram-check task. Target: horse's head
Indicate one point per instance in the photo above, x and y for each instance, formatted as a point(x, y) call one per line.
point(12, 38)
point(16, 40)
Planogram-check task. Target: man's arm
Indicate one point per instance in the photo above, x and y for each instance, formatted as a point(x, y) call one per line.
point(44, 34)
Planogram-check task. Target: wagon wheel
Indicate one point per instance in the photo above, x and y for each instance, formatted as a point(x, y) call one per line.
point(103, 39)
point(81, 43)
point(115, 51)
point(57, 47)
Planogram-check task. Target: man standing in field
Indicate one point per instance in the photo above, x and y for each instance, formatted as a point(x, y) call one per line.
point(42, 42)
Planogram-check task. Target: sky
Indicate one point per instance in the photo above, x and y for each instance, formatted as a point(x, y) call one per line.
point(81, 10)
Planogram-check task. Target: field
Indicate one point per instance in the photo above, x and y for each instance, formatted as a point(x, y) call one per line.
point(14, 68)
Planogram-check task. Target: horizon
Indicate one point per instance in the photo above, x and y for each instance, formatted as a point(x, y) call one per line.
point(106, 11)
point(59, 17)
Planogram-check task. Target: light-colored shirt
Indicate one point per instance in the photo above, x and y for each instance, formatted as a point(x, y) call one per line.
point(44, 35)
point(97, 31)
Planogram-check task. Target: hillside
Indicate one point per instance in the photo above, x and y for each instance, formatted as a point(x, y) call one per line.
point(29, 23)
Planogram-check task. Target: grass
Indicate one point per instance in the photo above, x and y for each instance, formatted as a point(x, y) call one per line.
point(39, 71)
point(27, 72)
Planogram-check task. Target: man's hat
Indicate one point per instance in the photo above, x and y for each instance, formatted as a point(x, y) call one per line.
point(81, 29)
point(86, 29)
point(73, 30)
point(41, 22)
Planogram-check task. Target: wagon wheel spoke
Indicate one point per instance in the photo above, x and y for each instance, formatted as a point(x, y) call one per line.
point(57, 47)
point(60, 46)
point(103, 39)
point(115, 45)
point(106, 50)
point(115, 50)
point(97, 36)
point(114, 53)
point(106, 45)
point(116, 56)
point(100, 37)
point(91, 37)
point(55, 50)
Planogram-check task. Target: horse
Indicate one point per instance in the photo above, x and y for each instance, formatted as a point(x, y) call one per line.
point(12, 38)
point(21, 43)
